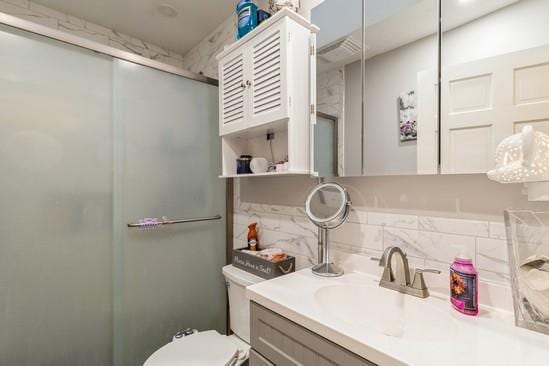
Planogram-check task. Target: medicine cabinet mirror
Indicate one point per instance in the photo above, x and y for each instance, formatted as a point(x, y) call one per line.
point(400, 88)
point(338, 128)
point(375, 59)
point(378, 91)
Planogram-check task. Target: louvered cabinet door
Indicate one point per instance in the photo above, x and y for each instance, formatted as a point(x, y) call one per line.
point(268, 95)
point(232, 92)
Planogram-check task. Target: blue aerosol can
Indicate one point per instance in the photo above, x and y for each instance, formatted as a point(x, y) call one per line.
point(246, 12)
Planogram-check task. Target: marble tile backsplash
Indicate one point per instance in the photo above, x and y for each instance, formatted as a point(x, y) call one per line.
point(431, 242)
point(31, 11)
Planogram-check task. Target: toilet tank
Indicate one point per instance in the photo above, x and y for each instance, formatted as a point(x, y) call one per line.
point(239, 306)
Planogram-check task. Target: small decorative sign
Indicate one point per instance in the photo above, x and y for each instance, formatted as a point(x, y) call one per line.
point(407, 109)
point(262, 267)
point(255, 267)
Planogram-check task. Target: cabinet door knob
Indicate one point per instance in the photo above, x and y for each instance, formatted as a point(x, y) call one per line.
point(249, 83)
point(242, 85)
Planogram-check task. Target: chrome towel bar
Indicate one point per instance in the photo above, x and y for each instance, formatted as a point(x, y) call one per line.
point(152, 223)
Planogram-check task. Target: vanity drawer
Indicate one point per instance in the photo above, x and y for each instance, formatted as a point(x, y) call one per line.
point(284, 343)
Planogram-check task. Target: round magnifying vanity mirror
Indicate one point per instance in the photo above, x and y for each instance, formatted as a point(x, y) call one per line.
point(327, 206)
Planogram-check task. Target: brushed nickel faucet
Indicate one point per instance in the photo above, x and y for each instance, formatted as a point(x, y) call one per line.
point(401, 282)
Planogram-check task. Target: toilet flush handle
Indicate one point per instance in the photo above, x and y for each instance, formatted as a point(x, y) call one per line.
point(184, 333)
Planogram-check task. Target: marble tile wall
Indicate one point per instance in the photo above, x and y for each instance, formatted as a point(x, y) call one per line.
point(431, 242)
point(201, 58)
point(330, 92)
point(40, 14)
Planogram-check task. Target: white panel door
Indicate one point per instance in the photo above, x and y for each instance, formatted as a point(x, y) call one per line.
point(233, 74)
point(427, 122)
point(268, 69)
point(487, 100)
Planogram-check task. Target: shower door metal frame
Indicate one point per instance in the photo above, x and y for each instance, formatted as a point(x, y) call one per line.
point(61, 36)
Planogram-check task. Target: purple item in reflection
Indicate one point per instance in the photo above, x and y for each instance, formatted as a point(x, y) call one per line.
point(149, 223)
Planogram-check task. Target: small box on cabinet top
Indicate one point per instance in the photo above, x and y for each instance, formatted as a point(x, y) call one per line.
point(262, 267)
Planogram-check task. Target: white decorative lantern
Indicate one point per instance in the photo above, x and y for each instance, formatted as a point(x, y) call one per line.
point(524, 158)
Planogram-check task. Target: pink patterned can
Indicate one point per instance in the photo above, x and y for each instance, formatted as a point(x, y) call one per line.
point(464, 286)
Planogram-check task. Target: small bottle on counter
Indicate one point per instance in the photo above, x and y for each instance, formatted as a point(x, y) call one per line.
point(252, 237)
point(464, 285)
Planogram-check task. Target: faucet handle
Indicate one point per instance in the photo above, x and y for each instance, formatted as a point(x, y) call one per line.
point(419, 282)
point(382, 262)
point(436, 271)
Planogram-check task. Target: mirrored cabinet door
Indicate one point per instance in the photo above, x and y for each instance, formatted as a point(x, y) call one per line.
point(400, 87)
point(339, 89)
point(377, 81)
point(494, 77)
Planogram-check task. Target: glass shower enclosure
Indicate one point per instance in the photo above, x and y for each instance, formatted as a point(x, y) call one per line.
point(88, 144)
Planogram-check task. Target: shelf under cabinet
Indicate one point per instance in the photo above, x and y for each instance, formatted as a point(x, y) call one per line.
point(268, 174)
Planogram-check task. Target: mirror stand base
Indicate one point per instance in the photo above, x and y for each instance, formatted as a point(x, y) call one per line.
point(327, 270)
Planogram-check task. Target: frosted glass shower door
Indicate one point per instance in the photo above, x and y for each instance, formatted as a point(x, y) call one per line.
point(167, 162)
point(55, 203)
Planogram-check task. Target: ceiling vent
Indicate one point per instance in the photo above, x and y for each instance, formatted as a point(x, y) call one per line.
point(340, 50)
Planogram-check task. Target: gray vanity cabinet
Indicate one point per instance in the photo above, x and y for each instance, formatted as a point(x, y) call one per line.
point(277, 341)
point(257, 360)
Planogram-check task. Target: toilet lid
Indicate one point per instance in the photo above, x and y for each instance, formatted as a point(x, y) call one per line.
point(200, 349)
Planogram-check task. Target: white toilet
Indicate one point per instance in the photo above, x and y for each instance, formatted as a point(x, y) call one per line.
point(209, 348)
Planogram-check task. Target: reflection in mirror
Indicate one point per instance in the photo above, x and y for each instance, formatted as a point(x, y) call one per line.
point(495, 77)
point(326, 202)
point(339, 48)
point(400, 73)
point(326, 141)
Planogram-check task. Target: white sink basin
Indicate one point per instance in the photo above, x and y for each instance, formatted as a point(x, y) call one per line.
point(393, 329)
point(388, 312)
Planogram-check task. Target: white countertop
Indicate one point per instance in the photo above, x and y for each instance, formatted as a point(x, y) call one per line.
point(450, 338)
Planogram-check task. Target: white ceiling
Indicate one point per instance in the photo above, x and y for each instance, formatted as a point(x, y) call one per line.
point(140, 18)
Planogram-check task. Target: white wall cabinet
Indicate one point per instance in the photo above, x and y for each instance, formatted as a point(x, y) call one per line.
point(232, 92)
point(266, 84)
point(268, 76)
point(253, 87)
